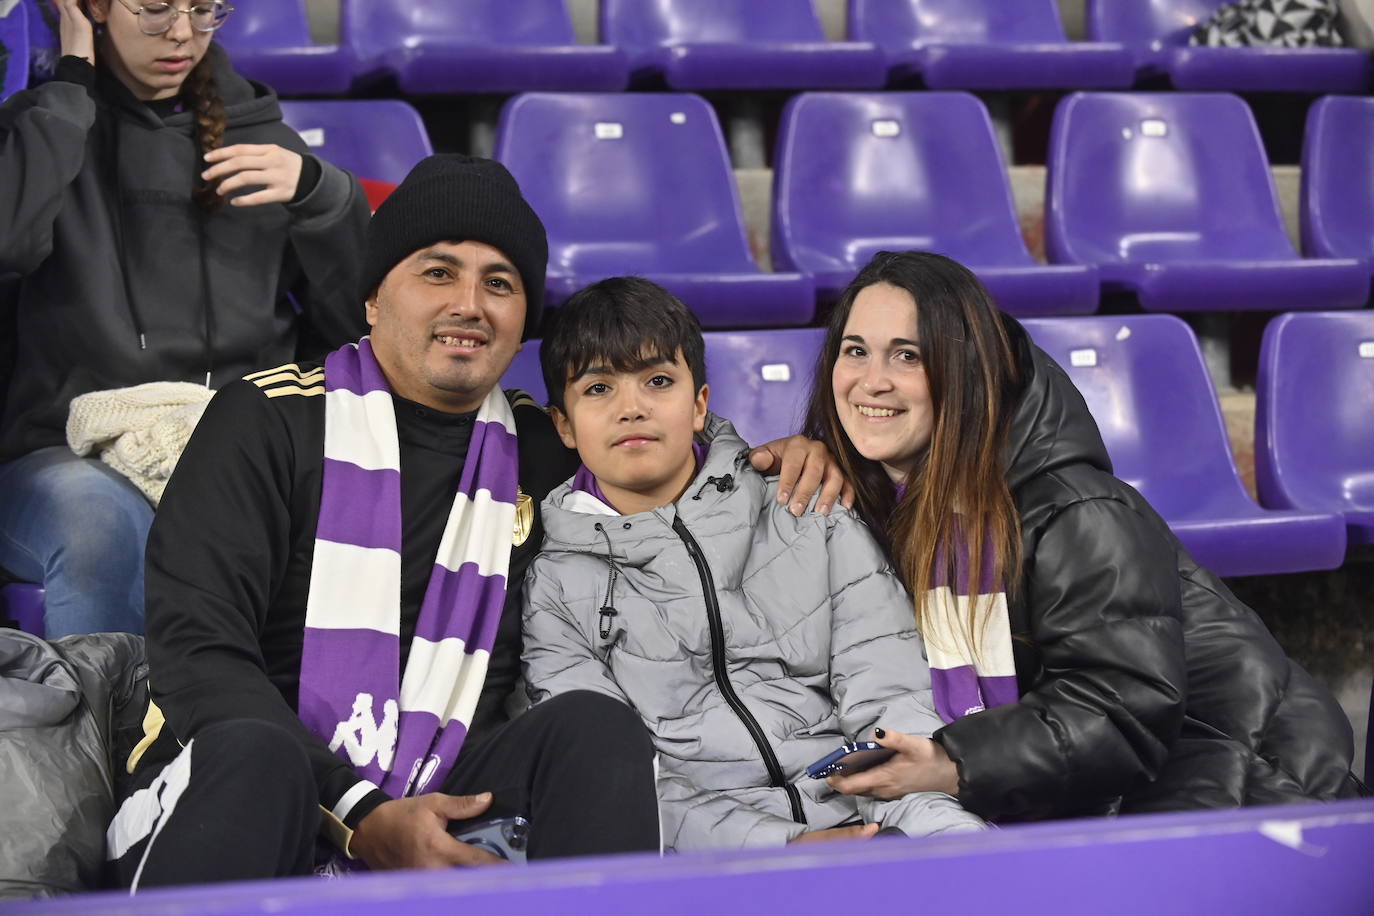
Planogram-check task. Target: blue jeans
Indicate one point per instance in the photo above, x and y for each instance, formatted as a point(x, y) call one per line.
point(79, 528)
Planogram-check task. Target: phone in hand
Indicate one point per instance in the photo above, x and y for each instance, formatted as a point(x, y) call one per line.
point(506, 837)
point(850, 758)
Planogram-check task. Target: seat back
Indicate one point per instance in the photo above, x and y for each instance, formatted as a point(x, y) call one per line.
point(897, 24)
point(1337, 210)
point(373, 28)
point(1147, 387)
point(1314, 429)
point(22, 602)
point(265, 24)
point(636, 24)
point(14, 46)
point(379, 139)
point(524, 373)
point(857, 173)
point(1143, 22)
point(1143, 177)
point(626, 182)
point(760, 380)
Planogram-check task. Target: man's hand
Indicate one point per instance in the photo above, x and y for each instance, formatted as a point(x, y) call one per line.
point(74, 30)
point(857, 832)
point(804, 467)
point(920, 765)
point(413, 833)
point(273, 170)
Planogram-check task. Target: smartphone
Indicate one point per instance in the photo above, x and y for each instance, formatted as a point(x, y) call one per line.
point(507, 837)
point(850, 758)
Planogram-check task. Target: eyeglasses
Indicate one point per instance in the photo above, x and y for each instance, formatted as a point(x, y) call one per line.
point(156, 17)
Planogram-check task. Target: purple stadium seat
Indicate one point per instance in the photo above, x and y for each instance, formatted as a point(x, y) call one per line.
point(1148, 389)
point(1314, 432)
point(14, 51)
point(737, 44)
point(1171, 196)
point(269, 40)
point(379, 139)
point(492, 46)
point(760, 380)
point(640, 183)
point(23, 603)
point(524, 373)
point(1157, 32)
point(986, 44)
point(859, 173)
point(1337, 199)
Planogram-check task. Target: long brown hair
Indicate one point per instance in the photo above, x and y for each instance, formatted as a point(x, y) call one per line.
point(200, 93)
point(973, 378)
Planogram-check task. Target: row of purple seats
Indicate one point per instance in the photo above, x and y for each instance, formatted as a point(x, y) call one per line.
point(14, 50)
point(379, 139)
point(508, 46)
point(1157, 33)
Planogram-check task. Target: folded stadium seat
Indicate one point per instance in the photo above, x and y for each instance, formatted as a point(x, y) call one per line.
point(737, 44)
point(1157, 32)
point(378, 139)
point(640, 183)
point(857, 173)
point(1337, 209)
point(1314, 432)
point(1171, 196)
point(483, 46)
point(14, 51)
point(760, 380)
point(1148, 389)
point(987, 44)
point(524, 373)
point(22, 602)
point(269, 40)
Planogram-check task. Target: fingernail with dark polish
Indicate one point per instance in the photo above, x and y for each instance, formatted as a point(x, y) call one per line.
point(879, 733)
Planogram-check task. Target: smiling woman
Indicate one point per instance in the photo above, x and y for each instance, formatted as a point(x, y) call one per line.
point(165, 225)
point(1082, 662)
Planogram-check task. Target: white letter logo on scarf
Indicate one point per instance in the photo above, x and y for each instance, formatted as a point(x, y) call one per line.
point(362, 738)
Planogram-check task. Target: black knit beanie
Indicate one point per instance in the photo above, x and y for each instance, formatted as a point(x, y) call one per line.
point(455, 198)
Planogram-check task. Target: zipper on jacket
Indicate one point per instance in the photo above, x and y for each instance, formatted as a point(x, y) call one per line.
point(727, 690)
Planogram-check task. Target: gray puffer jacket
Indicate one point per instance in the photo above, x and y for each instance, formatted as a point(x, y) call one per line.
point(751, 643)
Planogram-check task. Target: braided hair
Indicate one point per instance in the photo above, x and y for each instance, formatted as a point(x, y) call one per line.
point(200, 93)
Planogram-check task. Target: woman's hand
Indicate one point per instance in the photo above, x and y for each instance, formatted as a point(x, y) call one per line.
point(920, 765)
point(804, 467)
point(272, 169)
point(74, 30)
point(413, 833)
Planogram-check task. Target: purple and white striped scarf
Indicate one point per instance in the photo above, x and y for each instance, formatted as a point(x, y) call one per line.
point(400, 733)
point(964, 681)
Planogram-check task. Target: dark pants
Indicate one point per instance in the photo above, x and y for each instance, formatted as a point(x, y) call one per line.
point(240, 802)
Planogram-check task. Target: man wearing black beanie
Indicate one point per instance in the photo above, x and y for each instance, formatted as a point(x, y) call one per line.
point(311, 535)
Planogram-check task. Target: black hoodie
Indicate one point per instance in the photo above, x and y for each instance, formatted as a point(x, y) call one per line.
point(125, 280)
point(1145, 684)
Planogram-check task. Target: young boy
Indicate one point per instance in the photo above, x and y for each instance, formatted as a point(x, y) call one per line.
point(750, 642)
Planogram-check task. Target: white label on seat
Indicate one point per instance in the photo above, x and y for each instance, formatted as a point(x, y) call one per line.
point(313, 136)
point(1123, 332)
point(609, 130)
point(1367, 349)
point(886, 129)
point(678, 117)
point(1085, 358)
point(776, 372)
point(1153, 127)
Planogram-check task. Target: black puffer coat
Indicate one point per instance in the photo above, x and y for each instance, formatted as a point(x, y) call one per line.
point(1145, 684)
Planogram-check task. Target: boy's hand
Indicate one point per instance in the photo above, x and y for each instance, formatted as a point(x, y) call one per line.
point(857, 832)
point(413, 833)
point(804, 468)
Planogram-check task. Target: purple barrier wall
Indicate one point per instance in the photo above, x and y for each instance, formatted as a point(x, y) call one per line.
point(1310, 858)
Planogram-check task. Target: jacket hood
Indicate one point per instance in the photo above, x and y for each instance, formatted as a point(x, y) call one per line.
point(1051, 425)
point(246, 102)
point(725, 475)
